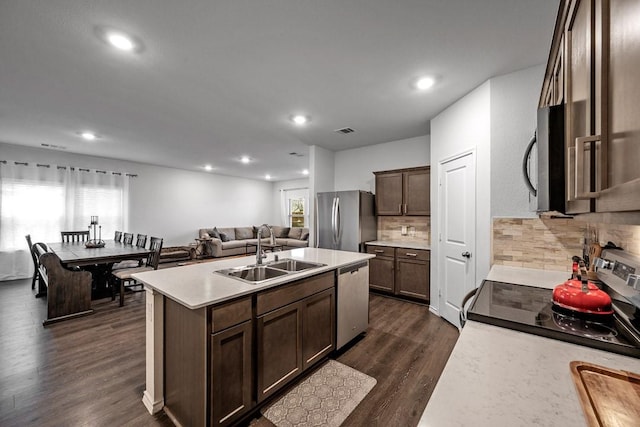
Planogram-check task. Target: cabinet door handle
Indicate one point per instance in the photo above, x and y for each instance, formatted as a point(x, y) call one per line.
point(466, 254)
point(405, 208)
point(400, 208)
point(411, 254)
point(379, 251)
point(580, 192)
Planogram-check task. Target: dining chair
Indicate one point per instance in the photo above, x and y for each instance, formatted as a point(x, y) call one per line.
point(141, 242)
point(118, 236)
point(74, 236)
point(127, 239)
point(123, 277)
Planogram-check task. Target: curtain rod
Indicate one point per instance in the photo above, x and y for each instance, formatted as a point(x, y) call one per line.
point(40, 165)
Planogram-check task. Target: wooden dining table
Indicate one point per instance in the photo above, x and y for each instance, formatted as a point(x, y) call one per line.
point(99, 261)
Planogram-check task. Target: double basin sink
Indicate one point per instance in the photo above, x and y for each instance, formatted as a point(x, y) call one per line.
point(260, 273)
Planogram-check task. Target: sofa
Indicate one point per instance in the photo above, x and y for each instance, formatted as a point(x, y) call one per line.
point(220, 242)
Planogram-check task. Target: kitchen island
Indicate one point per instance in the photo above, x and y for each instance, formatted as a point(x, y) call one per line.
point(500, 377)
point(217, 347)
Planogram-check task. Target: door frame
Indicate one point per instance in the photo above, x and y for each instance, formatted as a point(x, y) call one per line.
point(441, 259)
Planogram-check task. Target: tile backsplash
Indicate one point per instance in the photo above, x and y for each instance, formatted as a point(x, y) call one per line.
point(418, 228)
point(549, 244)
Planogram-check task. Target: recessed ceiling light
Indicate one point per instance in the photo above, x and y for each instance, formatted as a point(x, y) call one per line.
point(245, 159)
point(208, 167)
point(300, 119)
point(120, 41)
point(305, 172)
point(88, 136)
point(424, 83)
point(267, 176)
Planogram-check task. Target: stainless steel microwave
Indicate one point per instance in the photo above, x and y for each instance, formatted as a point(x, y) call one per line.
point(543, 165)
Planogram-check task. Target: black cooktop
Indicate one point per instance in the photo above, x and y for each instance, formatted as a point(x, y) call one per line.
point(530, 309)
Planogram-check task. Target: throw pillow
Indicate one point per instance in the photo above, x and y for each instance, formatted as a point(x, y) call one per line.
point(204, 236)
point(223, 236)
point(215, 233)
point(281, 232)
point(295, 233)
point(305, 234)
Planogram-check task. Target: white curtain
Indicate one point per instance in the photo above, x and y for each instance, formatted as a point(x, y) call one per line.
point(42, 200)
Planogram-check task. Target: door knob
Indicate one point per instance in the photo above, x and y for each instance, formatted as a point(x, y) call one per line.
point(466, 254)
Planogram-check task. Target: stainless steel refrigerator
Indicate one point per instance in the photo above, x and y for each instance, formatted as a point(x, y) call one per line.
point(345, 220)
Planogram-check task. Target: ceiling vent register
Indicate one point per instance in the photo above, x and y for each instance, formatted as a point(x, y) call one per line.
point(345, 130)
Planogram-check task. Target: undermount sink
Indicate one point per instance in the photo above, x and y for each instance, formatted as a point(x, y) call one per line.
point(289, 264)
point(253, 274)
point(261, 273)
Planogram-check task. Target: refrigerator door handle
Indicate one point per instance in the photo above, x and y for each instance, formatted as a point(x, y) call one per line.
point(338, 224)
point(317, 230)
point(333, 220)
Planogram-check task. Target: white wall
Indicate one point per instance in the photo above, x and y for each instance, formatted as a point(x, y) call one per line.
point(167, 202)
point(354, 168)
point(463, 126)
point(514, 102)
point(497, 120)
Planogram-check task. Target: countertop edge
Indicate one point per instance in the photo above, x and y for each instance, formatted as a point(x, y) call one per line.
point(201, 287)
point(400, 244)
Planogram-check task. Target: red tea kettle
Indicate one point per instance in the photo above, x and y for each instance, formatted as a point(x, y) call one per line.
point(582, 296)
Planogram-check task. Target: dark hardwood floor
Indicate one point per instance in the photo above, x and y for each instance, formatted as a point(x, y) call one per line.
point(405, 350)
point(90, 370)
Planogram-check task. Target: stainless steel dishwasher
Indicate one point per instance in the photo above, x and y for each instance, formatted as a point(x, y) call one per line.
point(352, 302)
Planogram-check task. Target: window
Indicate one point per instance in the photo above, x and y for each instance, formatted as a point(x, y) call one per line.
point(42, 200)
point(30, 207)
point(296, 213)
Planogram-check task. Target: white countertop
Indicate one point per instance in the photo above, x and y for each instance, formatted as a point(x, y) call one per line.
point(197, 285)
point(528, 276)
point(500, 377)
point(401, 244)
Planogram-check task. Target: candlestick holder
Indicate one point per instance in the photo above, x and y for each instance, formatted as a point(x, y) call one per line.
point(97, 241)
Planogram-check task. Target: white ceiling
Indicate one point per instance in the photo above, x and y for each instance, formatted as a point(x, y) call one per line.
point(218, 79)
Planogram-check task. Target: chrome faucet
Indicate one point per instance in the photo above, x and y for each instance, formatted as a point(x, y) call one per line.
point(259, 254)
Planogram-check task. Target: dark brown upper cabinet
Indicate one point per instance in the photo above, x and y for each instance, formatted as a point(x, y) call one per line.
point(592, 70)
point(403, 191)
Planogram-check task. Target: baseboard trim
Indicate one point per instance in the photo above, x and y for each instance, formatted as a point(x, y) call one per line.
point(152, 407)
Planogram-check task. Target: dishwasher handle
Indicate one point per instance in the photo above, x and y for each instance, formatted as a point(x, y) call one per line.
point(353, 268)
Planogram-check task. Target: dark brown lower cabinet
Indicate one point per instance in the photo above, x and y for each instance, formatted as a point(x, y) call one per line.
point(400, 271)
point(292, 338)
point(208, 362)
point(279, 348)
point(223, 360)
point(231, 373)
point(382, 268)
point(318, 327)
point(412, 278)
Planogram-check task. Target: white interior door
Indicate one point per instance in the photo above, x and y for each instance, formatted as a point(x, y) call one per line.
point(457, 212)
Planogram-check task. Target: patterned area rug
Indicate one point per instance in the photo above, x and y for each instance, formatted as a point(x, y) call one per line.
point(326, 398)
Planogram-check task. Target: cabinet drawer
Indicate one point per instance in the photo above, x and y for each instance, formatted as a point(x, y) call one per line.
point(230, 314)
point(279, 297)
point(381, 250)
point(419, 254)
